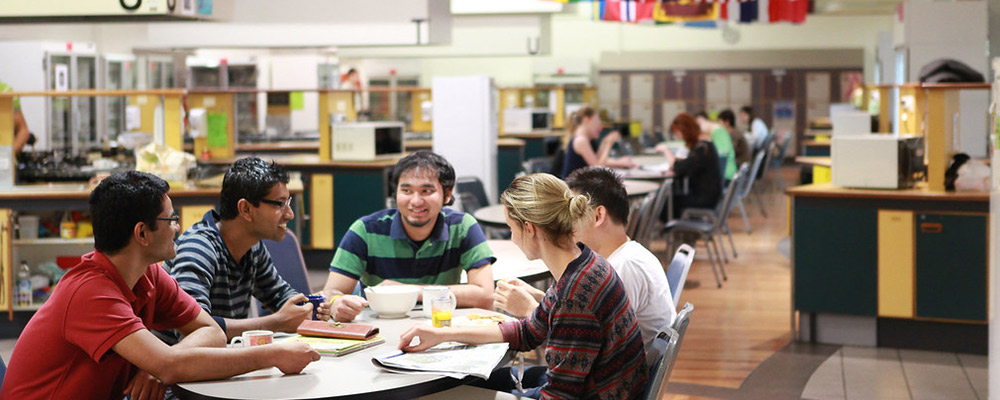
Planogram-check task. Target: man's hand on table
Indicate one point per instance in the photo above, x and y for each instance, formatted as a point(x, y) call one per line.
point(292, 357)
point(290, 316)
point(345, 308)
point(144, 386)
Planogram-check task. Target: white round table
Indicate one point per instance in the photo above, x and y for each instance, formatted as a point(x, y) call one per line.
point(512, 263)
point(352, 376)
point(493, 216)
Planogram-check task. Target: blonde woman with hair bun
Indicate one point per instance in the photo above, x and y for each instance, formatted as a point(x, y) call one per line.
point(593, 343)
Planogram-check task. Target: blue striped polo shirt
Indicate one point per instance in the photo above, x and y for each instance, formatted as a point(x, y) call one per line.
point(376, 248)
point(206, 270)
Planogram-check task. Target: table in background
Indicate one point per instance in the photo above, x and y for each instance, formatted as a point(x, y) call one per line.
point(512, 263)
point(493, 216)
point(352, 376)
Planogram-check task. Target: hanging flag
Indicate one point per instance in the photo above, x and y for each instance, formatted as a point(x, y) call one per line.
point(793, 11)
point(685, 11)
point(748, 12)
point(628, 10)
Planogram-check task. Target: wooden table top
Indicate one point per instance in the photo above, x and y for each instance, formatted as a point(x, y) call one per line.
point(815, 160)
point(920, 192)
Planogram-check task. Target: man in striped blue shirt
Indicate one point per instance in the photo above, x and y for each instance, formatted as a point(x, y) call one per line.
point(418, 243)
point(221, 261)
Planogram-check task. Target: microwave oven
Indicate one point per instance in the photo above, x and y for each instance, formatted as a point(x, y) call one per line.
point(366, 141)
point(527, 120)
point(877, 161)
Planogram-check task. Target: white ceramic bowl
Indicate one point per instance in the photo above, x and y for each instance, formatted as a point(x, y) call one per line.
point(392, 301)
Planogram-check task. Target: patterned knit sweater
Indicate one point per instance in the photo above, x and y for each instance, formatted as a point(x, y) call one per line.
point(594, 348)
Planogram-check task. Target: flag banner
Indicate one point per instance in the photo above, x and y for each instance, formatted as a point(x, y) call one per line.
point(793, 11)
point(685, 11)
point(628, 11)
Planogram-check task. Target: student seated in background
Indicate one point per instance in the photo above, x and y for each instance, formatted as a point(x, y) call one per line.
point(640, 270)
point(91, 338)
point(221, 261)
point(583, 127)
point(740, 146)
point(721, 140)
point(418, 243)
point(593, 346)
point(756, 128)
point(697, 181)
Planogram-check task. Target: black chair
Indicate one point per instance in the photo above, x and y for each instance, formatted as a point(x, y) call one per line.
point(708, 229)
point(471, 193)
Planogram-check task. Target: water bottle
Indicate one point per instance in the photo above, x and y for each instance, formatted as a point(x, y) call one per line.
point(24, 284)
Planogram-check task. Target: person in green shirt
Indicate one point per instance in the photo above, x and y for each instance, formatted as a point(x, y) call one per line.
point(722, 141)
point(727, 119)
point(21, 133)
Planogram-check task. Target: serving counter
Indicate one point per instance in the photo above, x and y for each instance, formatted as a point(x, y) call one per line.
point(895, 268)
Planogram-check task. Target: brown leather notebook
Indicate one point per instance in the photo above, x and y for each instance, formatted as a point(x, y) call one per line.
point(338, 330)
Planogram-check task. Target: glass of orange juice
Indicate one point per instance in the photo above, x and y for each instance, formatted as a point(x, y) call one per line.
point(441, 309)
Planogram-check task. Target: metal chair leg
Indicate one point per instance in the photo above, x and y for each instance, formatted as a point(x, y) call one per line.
point(722, 250)
point(722, 266)
point(711, 259)
point(743, 212)
point(760, 201)
point(732, 244)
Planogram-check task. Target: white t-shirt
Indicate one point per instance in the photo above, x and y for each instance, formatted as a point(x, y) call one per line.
point(646, 287)
point(759, 132)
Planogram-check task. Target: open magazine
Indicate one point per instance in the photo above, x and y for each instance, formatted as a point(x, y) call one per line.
point(450, 359)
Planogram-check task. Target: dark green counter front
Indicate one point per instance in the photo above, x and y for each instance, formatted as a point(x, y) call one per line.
point(848, 267)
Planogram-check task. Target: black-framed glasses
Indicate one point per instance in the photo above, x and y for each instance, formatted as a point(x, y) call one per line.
point(278, 203)
point(174, 220)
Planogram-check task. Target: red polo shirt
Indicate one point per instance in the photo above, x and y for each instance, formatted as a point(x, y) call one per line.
point(65, 351)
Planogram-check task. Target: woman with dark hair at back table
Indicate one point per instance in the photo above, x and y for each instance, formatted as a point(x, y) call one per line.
point(583, 127)
point(700, 170)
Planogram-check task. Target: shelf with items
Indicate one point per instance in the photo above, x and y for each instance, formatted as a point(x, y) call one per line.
point(47, 243)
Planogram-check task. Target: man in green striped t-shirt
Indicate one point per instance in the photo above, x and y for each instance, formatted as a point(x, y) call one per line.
point(21, 133)
point(418, 243)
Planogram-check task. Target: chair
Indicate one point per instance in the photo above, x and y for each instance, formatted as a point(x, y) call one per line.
point(537, 164)
point(776, 162)
point(677, 272)
point(287, 257)
point(713, 214)
point(471, 193)
point(651, 220)
point(744, 191)
point(637, 215)
point(666, 346)
point(707, 229)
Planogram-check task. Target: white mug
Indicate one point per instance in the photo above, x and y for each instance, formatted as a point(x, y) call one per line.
point(431, 292)
point(253, 338)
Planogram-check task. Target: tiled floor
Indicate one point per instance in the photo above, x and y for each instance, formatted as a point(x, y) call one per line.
point(882, 373)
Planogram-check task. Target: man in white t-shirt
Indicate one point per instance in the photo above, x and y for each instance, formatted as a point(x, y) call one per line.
point(640, 270)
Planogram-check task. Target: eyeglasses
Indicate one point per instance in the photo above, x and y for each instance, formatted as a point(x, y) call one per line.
point(174, 220)
point(278, 203)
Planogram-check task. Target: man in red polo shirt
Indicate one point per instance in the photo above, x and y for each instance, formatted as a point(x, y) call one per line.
point(91, 338)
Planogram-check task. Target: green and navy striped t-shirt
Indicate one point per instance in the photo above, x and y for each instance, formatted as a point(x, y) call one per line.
point(377, 248)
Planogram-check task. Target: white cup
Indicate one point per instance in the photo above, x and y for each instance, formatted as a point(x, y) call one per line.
point(253, 338)
point(432, 292)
